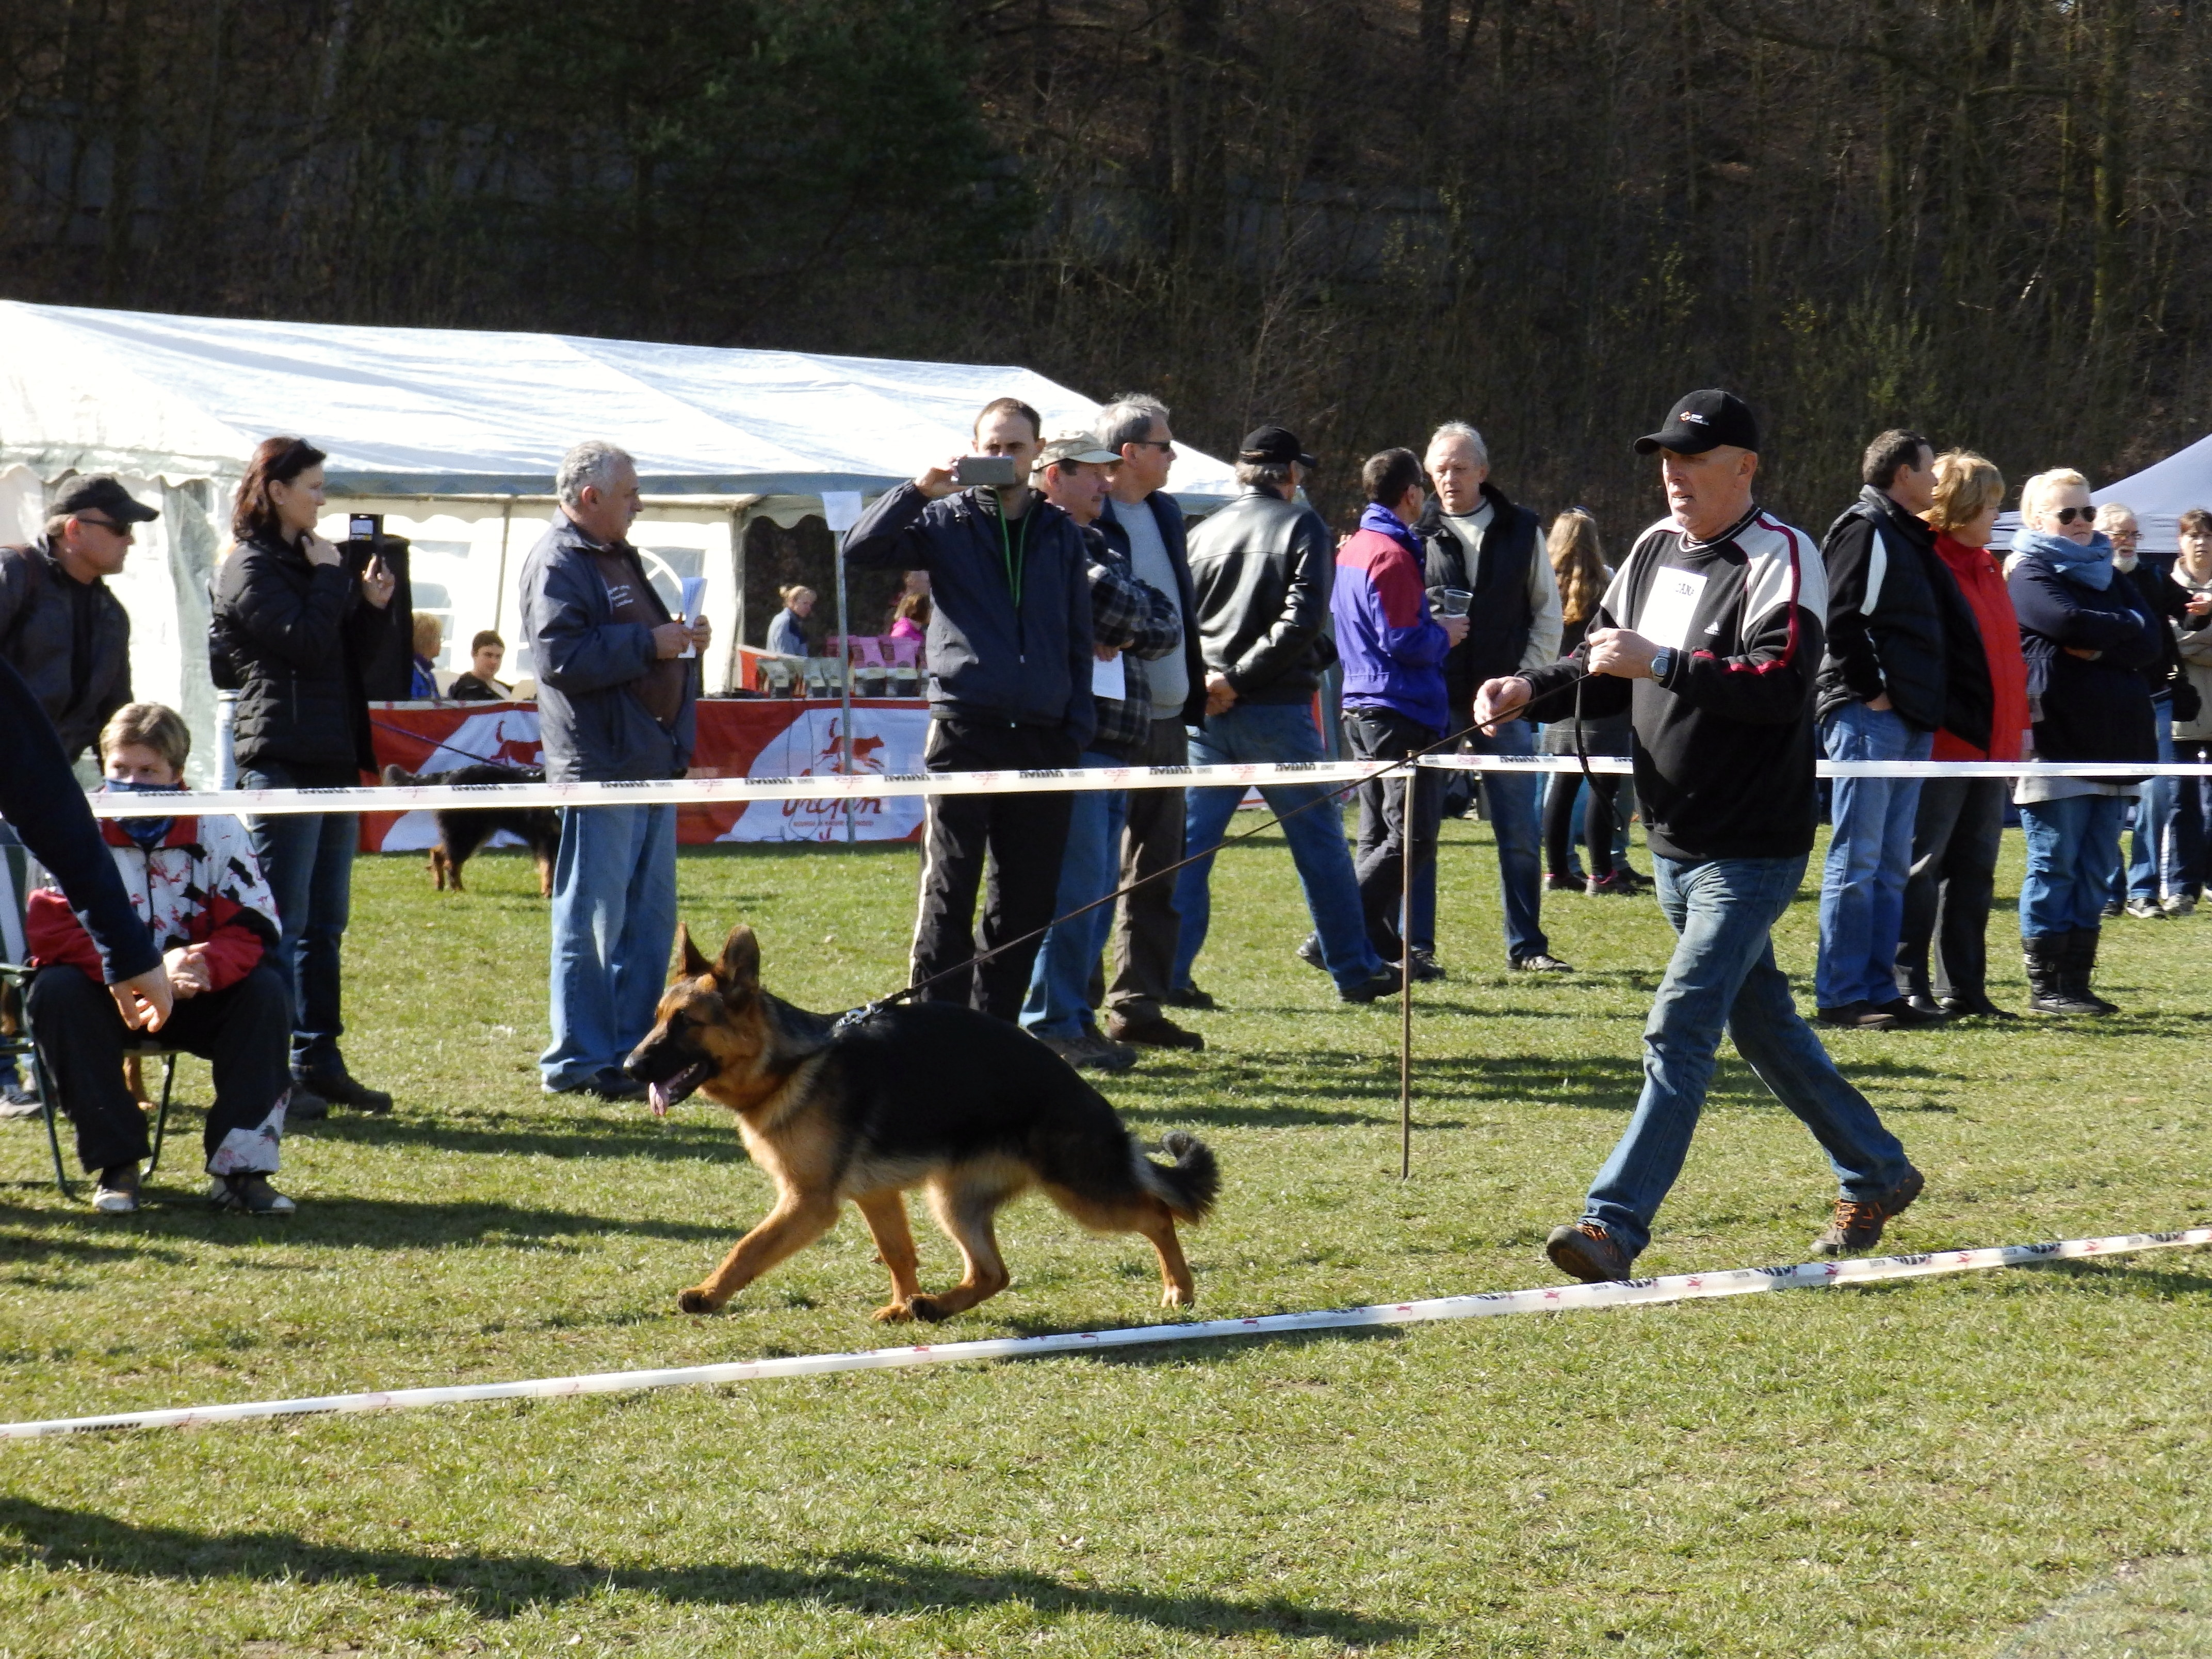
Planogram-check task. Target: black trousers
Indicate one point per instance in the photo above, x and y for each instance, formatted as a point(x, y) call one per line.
point(244, 1028)
point(1009, 846)
point(1145, 939)
point(1599, 803)
point(1386, 832)
point(1955, 834)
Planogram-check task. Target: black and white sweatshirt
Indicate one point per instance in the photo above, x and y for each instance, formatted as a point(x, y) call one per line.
point(1723, 747)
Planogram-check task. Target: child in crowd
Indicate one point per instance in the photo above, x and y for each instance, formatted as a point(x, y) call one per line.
point(198, 887)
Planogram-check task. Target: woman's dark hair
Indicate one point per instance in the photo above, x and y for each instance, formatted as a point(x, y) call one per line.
point(278, 460)
point(487, 637)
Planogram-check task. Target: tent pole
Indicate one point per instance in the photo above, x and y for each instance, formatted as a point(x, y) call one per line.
point(844, 679)
point(499, 593)
point(735, 680)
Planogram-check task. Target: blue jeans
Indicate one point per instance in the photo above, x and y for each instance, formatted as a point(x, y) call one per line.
point(1260, 733)
point(2073, 850)
point(306, 858)
point(2155, 852)
point(1870, 856)
point(1509, 805)
point(614, 920)
point(1723, 974)
point(1059, 1002)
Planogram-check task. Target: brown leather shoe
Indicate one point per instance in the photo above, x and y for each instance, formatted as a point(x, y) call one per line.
point(1158, 1032)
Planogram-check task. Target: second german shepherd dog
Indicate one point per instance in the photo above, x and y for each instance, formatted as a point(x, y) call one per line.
point(928, 1095)
point(462, 829)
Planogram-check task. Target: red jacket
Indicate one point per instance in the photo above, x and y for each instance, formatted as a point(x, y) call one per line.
point(1982, 582)
point(201, 885)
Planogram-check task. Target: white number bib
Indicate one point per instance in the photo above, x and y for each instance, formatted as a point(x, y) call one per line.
point(1670, 605)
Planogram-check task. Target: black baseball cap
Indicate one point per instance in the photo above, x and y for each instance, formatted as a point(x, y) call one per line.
point(1273, 444)
point(1702, 421)
point(100, 493)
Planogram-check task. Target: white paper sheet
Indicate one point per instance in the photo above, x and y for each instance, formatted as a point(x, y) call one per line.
point(1108, 679)
point(841, 509)
point(1670, 606)
point(694, 593)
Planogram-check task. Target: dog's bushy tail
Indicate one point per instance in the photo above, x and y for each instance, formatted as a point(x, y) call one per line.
point(1189, 1185)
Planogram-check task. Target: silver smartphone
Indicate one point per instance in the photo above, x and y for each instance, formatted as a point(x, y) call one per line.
point(992, 471)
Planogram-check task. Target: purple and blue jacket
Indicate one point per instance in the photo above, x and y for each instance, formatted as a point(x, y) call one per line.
point(1392, 649)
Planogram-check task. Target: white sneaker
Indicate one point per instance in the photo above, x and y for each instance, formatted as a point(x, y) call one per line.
point(120, 1198)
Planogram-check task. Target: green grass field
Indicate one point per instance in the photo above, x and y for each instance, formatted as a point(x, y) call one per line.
point(2006, 1463)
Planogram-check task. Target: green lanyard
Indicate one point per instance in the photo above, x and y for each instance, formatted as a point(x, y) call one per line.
point(1015, 571)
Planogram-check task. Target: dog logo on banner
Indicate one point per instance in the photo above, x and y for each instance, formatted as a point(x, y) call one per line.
point(884, 740)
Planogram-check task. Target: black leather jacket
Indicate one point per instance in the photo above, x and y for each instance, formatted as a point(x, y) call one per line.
point(1261, 571)
point(38, 636)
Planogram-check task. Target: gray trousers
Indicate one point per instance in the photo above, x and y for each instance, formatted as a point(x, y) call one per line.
point(1144, 934)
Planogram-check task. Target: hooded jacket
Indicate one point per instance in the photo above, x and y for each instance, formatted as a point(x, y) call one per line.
point(1898, 626)
point(1009, 640)
point(38, 636)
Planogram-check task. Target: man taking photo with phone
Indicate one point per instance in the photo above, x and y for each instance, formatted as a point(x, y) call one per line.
point(1008, 657)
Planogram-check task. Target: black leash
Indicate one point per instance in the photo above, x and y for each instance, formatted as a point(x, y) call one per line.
point(853, 1017)
point(481, 760)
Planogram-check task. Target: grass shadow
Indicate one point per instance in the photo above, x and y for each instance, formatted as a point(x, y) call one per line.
point(530, 1137)
point(375, 1224)
point(866, 1583)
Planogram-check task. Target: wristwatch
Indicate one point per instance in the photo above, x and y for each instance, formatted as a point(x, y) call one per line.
point(1661, 660)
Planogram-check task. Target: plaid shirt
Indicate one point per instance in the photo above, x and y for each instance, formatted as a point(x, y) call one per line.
point(1144, 623)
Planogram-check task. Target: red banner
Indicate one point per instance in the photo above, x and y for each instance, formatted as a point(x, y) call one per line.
point(739, 737)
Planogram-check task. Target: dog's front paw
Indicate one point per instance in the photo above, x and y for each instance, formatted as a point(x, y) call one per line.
point(925, 1307)
point(695, 1301)
point(895, 1313)
point(1177, 1295)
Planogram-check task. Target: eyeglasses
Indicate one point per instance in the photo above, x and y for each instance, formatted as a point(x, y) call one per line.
point(2068, 514)
point(105, 523)
point(1164, 446)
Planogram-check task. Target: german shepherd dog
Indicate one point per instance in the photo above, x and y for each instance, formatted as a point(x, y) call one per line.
point(463, 830)
point(928, 1095)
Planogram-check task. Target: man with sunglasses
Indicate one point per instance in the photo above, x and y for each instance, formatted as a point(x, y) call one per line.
point(60, 627)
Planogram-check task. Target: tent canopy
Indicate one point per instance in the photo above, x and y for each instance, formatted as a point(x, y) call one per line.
point(415, 411)
point(2163, 491)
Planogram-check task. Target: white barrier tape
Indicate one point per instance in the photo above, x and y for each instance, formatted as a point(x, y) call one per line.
point(1681, 1287)
point(865, 785)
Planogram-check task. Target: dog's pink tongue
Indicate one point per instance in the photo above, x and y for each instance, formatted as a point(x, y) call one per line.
point(658, 1092)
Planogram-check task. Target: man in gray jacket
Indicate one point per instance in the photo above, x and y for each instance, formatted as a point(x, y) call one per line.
point(615, 703)
point(1261, 571)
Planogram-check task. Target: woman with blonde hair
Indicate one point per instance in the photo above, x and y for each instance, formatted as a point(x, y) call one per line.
point(1960, 820)
point(786, 638)
point(1579, 565)
point(2088, 636)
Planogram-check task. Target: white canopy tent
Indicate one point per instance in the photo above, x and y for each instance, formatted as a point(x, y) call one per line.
point(454, 436)
point(2162, 492)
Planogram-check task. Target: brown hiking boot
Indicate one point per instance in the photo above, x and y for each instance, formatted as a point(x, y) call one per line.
point(1858, 1223)
point(1586, 1251)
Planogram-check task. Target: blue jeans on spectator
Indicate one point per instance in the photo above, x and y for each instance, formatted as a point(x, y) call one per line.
point(2192, 817)
point(2073, 850)
point(614, 922)
point(1722, 975)
point(1870, 856)
point(1510, 807)
point(2155, 861)
point(1256, 734)
point(1059, 1002)
point(306, 858)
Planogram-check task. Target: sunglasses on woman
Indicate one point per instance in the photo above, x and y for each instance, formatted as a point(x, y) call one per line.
point(2068, 514)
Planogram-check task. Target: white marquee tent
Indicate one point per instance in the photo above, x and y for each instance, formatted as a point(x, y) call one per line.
point(2162, 492)
point(454, 436)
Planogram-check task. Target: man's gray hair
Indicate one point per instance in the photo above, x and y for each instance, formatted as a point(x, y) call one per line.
point(1128, 419)
point(593, 464)
point(1462, 430)
point(1265, 475)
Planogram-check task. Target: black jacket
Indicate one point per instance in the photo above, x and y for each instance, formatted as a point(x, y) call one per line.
point(37, 639)
point(2166, 677)
point(1261, 568)
point(1175, 536)
point(1499, 617)
point(2086, 709)
point(991, 658)
point(289, 637)
point(1898, 626)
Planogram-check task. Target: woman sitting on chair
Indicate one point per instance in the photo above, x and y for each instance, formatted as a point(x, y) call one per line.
point(196, 885)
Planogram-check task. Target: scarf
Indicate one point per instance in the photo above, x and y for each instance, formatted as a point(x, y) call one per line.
point(146, 833)
point(2090, 566)
point(1380, 518)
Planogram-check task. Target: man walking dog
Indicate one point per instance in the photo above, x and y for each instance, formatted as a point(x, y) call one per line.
point(1710, 635)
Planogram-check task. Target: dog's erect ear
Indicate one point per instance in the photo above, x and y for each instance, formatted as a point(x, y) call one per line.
point(739, 968)
point(694, 966)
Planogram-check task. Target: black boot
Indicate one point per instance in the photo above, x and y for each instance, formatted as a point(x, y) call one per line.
point(2045, 956)
point(2080, 966)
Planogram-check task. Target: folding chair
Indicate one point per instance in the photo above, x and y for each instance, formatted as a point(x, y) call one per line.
point(20, 874)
